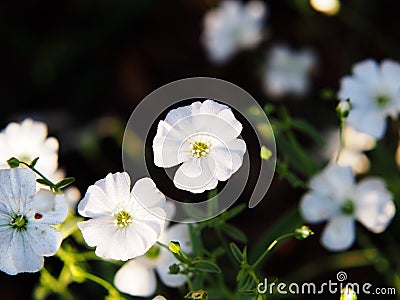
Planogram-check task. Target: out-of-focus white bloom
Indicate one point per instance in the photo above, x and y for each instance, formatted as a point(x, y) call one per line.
point(203, 137)
point(336, 198)
point(374, 93)
point(287, 71)
point(352, 153)
point(328, 7)
point(231, 27)
point(26, 141)
point(123, 224)
point(137, 277)
point(26, 234)
point(159, 297)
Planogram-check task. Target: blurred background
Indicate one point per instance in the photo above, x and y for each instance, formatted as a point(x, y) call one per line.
point(81, 66)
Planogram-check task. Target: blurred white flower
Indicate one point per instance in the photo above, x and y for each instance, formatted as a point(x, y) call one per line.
point(374, 93)
point(231, 27)
point(336, 198)
point(123, 224)
point(287, 71)
point(26, 141)
point(137, 277)
point(203, 137)
point(352, 153)
point(26, 234)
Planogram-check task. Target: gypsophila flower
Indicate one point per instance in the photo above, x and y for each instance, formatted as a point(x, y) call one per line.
point(336, 198)
point(203, 137)
point(26, 141)
point(374, 92)
point(354, 144)
point(137, 277)
point(26, 234)
point(287, 71)
point(231, 27)
point(124, 224)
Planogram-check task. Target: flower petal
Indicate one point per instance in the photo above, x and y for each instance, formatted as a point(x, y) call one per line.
point(6, 262)
point(44, 240)
point(146, 193)
point(367, 70)
point(191, 168)
point(317, 208)
point(369, 121)
point(136, 279)
point(97, 230)
point(95, 203)
point(17, 187)
point(228, 158)
point(52, 207)
point(24, 257)
point(334, 182)
point(205, 181)
point(116, 186)
point(339, 234)
point(374, 205)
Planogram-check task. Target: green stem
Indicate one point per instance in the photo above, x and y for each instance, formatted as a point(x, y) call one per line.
point(54, 285)
point(270, 247)
point(341, 139)
point(100, 281)
point(51, 184)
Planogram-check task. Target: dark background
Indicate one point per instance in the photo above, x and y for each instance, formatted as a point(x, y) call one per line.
point(81, 66)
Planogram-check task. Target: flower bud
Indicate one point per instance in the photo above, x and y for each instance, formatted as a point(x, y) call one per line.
point(200, 294)
point(174, 269)
point(348, 294)
point(303, 232)
point(343, 108)
point(174, 247)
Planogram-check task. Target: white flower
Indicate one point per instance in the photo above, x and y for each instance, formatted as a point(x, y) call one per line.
point(137, 277)
point(204, 138)
point(335, 197)
point(355, 143)
point(231, 27)
point(123, 224)
point(26, 234)
point(26, 141)
point(374, 93)
point(287, 71)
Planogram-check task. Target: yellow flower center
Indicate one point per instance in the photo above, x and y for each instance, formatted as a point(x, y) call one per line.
point(18, 222)
point(200, 149)
point(123, 219)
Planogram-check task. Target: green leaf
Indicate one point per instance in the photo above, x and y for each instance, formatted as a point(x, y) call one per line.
point(206, 266)
point(240, 274)
point(234, 232)
point(231, 213)
point(247, 292)
point(13, 162)
point(65, 182)
point(34, 162)
point(308, 129)
point(265, 153)
point(43, 181)
point(246, 282)
point(237, 254)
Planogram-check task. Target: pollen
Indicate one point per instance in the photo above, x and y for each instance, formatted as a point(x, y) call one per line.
point(18, 222)
point(123, 219)
point(200, 149)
